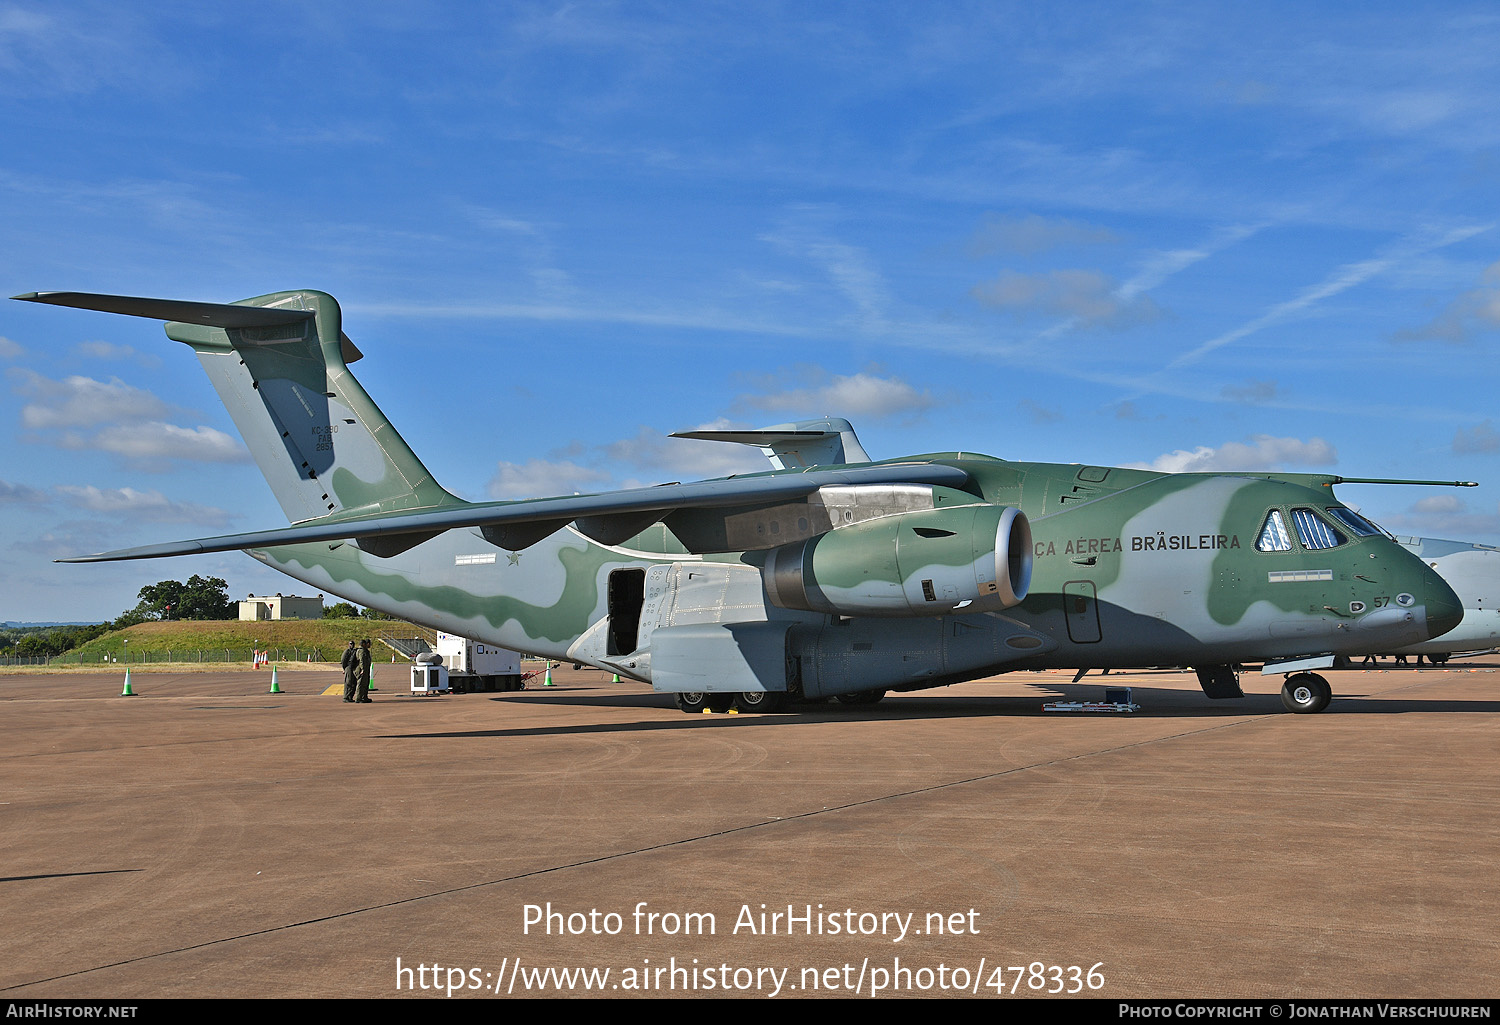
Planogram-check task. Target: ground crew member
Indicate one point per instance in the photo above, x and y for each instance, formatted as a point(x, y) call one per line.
point(365, 658)
point(350, 662)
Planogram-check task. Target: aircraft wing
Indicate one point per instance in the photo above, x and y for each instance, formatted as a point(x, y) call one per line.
point(610, 517)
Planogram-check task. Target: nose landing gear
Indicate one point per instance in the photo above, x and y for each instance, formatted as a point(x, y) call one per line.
point(1305, 693)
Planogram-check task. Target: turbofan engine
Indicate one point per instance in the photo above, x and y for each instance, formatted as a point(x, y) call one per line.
point(974, 558)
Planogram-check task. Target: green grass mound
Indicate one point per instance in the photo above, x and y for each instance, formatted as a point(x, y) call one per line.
point(296, 640)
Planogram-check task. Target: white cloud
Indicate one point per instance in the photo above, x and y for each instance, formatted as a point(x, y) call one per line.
point(10, 349)
point(11, 494)
point(1445, 516)
point(83, 402)
point(109, 351)
point(541, 478)
point(1089, 298)
point(1479, 438)
point(855, 395)
point(1476, 309)
point(69, 538)
point(125, 420)
point(685, 458)
point(140, 505)
point(155, 441)
point(1440, 504)
point(1261, 453)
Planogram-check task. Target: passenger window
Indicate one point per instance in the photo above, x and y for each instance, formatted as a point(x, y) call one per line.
point(1273, 536)
point(1315, 533)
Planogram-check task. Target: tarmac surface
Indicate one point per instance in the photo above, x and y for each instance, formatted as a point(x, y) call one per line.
point(205, 838)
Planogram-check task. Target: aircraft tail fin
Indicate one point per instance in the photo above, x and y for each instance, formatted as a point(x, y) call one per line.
point(827, 442)
point(280, 364)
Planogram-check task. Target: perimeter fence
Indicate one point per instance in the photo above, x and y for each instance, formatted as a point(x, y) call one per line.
point(215, 655)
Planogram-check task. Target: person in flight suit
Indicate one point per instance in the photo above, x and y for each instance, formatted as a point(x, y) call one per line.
point(365, 658)
point(350, 662)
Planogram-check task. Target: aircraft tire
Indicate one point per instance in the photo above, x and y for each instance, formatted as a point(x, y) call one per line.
point(1305, 693)
point(759, 701)
point(1439, 659)
point(692, 702)
point(863, 697)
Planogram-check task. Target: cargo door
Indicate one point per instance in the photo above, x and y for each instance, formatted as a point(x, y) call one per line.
point(627, 592)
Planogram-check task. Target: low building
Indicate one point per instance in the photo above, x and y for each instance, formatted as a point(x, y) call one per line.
point(281, 606)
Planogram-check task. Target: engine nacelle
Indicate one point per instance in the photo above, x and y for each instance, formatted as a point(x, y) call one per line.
point(974, 558)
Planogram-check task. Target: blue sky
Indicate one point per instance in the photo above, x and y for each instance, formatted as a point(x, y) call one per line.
point(1189, 236)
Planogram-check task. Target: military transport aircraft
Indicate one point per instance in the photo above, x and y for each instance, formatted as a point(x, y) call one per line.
point(834, 576)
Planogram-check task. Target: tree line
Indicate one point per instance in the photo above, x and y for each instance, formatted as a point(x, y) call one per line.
point(197, 598)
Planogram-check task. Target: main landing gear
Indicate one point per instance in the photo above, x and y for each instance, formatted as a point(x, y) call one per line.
point(1305, 692)
point(748, 701)
point(760, 701)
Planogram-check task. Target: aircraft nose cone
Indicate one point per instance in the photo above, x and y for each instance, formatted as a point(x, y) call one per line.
point(1444, 609)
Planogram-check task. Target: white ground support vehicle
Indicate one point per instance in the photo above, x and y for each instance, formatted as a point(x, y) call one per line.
point(476, 666)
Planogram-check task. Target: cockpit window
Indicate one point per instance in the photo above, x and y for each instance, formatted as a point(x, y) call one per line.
point(1357, 524)
point(1273, 536)
point(1314, 532)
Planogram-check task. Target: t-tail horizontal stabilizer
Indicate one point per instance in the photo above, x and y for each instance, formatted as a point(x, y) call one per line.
point(280, 364)
point(827, 442)
point(242, 314)
point(209, 314)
